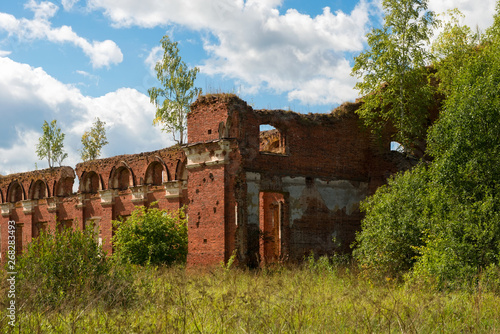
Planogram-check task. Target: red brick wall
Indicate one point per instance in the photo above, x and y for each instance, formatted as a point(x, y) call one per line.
point(206, 228)
point(78, 208)
point(209, 176)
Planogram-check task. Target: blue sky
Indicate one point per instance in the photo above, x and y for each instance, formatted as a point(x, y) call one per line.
point(74, 60)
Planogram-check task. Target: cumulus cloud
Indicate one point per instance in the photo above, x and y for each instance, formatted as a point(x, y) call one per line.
point(101, 53)
point(29, 96)
point(257, 46)
point(477, 14)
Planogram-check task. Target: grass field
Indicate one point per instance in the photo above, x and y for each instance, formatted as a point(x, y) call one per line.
point(312, 298)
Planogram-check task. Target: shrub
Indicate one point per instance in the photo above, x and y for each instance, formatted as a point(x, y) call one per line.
point(59, 266)
point(151, 236)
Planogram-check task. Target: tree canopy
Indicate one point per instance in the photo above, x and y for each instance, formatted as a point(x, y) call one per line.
point(393, 71)
point(172, 100)
point(51, 143)
point(93, 141)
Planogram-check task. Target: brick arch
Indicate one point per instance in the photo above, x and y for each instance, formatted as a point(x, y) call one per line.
point(1, 196)
point(15, 192)
point(90, 182)
point(157, 172)
point(63, 186)
point(121, 177)
point(38, 189)
point(181, 170)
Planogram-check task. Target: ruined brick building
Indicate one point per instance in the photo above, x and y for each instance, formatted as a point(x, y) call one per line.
point(265, 195)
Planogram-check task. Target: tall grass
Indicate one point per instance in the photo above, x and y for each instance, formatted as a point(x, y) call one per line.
point(317, 297)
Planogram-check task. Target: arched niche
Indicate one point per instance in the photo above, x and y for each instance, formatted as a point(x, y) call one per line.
point(90, 183)
point(15, 193)
point(181, 171)
point(156, 173)
point(64, 186)
point(38, 190)
point(121, 178)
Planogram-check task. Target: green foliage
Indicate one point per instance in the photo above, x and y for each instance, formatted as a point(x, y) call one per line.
point(50, 145)
point(439, 223)
point(452, 48)
point(93, 141)
point(60, 266)
point(177, 90)
point(151, 236)
point(393, 71)
point(395, 224)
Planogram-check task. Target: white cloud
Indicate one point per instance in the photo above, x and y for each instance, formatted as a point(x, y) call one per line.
point(154, 56)
point(255, 45)
point(20, 156)
point(29, 96)
point(477, 14)
point(43, 11)
point(251, 42)
point(101, 53)
point(68, 4)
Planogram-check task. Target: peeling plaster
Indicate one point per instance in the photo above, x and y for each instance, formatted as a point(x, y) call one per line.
point(253, 189)
point(341, 194)
point(336, 195)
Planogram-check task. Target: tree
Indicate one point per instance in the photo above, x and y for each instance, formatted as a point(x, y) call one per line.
point(177, 91)
point(50, 145)
point(151, 236)
point(393, 71)
point(439, 221)
point(452, 48)
point(93, 141)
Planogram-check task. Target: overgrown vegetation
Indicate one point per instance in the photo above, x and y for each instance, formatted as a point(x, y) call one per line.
point(393, 72)
point(151, 236)
point(67, 267)
point(51, 144)
point(93, 141)
point(439, 223)
point(317, 297)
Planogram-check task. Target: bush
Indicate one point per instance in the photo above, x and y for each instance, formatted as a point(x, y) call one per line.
point(61, 266)
point(394, 225)
point(151, 236)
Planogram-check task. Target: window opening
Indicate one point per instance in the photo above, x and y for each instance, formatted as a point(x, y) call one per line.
point(272, 140)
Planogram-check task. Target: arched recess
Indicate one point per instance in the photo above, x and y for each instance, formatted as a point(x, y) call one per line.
point(90, 183)
point(121, 177)
point(181, 170)
point(1, 196)
point(38, 190)
point(15, 192)
point(156, 173)
point(63, 187)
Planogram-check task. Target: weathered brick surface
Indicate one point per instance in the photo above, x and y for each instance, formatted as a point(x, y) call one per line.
point(262, 196)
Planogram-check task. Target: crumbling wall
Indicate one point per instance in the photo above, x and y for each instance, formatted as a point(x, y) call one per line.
point(308, 175)
point(109, 189)
point(263, 196)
